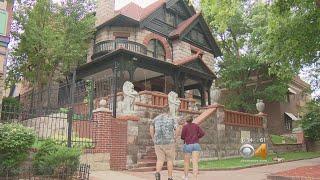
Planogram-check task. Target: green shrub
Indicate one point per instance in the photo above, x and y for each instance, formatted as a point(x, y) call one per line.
point(15, 141)
point(311, 121)
point(10, 108)
point(53, 158)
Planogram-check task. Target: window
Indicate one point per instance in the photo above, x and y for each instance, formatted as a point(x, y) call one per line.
point(170, 19)
point(121, 39)
point(3, 22)
point(287, 122)
point(156, 49)
point(197, 36)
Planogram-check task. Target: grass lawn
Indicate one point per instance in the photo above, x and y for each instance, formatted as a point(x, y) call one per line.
point(278, 140)
point(241, 162)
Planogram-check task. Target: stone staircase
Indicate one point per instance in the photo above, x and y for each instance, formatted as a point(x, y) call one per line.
point(148, 162)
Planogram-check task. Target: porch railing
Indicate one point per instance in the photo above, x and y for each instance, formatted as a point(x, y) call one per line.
point(242, 119)
point(111, 45)
point(160, 100)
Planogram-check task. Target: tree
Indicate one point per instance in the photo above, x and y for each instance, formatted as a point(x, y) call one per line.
point(292, 36)
point(238, 25)
point(311, 120)
point(52, 40)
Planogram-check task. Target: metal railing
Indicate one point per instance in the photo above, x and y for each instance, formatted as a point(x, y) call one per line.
point(111, 45)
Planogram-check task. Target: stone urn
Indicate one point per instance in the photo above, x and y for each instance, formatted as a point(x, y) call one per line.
point(260, 106)
point(215, 95)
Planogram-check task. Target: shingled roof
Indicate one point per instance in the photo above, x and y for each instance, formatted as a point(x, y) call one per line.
point(138, 13)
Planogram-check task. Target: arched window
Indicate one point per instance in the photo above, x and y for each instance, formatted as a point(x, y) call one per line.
point(156, 49)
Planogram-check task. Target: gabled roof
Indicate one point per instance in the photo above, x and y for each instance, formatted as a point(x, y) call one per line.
point(131, 10)
point(182, 26)
point(191, 59)
point(138, 13)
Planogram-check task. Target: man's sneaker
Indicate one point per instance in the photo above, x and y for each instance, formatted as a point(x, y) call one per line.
point(185, 178)
point(170, 178)
point(157, 175)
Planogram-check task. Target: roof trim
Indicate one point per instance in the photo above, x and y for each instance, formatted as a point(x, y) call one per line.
point(182, 27)
point(114, 18)
point(292, 116)
point(195, 57)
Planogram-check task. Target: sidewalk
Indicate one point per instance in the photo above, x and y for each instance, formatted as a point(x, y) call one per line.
point(257, 173)
point(105, 175)
point(305, 172)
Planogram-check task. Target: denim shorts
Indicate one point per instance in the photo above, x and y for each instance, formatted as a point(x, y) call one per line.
point(189, 148)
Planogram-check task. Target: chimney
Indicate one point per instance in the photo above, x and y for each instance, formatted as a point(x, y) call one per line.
point(105, 11)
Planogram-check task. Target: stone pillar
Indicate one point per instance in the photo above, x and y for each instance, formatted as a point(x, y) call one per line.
point(221, 131)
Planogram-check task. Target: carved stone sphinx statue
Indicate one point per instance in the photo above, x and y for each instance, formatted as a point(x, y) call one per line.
point(129, 95)
point(174, 103)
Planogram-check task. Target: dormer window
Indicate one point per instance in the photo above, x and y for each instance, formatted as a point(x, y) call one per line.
point(170, 19)
point(156, 49)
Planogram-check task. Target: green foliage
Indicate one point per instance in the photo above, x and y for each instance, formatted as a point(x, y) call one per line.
point(15, 141)
point(239, 25)
point(311, 121)
point(10, 108)
point(53, 42)
point(276, 139)
point(53, 157)
point(77, 142)
point(292, 35)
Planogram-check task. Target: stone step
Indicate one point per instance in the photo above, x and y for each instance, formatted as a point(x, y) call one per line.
point(149, 157)
point(147, 163)
point(146, 169)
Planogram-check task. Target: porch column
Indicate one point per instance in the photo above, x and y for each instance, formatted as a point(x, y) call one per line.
point(175, 78)
point(181, 83)
point(115, 88)
point(131, 69)
point(202, 93)
point(209, 96)
point(209, 92)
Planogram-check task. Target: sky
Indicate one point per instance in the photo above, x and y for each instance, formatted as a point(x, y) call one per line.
point(143, 3)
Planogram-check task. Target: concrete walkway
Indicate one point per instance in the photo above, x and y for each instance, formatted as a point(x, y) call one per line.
point(105, 175)
point(257, 173)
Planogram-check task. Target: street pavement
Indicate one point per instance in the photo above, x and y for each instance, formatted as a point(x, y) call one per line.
point(256, 173)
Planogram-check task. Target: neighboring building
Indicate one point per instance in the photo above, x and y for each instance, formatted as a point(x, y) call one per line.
point(6, 12)
point(282, 115)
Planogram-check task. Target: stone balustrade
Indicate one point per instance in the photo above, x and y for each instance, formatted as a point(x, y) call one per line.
point(242, 119)
point(151, 99)
point(156, 99)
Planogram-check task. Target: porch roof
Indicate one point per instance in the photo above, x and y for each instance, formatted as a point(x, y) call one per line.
point(105, 61)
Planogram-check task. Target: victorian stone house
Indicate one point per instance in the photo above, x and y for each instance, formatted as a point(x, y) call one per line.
point(163, 47)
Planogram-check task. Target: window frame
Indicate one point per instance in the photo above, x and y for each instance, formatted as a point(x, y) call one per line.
point(5, 15)
point(156, 45)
